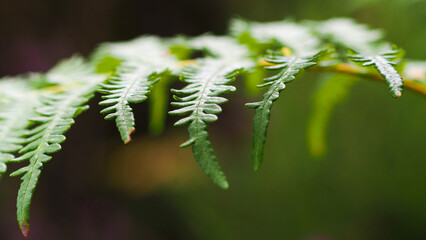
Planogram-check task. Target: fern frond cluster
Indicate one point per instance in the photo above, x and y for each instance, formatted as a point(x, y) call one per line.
point(38, 109)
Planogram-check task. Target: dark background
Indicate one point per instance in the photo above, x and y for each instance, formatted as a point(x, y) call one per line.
point(369, 186)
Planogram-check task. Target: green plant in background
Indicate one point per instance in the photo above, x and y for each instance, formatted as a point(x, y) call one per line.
point(36, 110)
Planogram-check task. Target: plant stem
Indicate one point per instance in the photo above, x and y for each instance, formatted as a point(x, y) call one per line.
point(348, 69)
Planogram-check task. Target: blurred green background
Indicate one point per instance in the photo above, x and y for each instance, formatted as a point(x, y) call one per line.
point(370, 185)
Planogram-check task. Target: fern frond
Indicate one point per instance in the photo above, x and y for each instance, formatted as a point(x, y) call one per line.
point(53, 117)
point(289, 66)
point(384, 66)
point(16, 107)
point(131, 84)
point(143, 59)
point(334, 91)
point(206, 81)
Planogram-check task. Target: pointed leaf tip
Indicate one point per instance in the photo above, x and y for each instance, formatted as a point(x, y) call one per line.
point(129, 134)
point(25, 229)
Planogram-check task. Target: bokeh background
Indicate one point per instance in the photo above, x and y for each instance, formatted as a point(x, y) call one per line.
point(370, 185)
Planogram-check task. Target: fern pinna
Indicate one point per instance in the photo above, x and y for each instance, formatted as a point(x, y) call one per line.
point(53, 118)
point(36, 110)
point(205, 83)
point(206, 80)
point(385, 67)
point(288, 67)
point(133, 79)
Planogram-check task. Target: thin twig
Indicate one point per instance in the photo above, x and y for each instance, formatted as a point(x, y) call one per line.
point(356, 71)
point(353, 70)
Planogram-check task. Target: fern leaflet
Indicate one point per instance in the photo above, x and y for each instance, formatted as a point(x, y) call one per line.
point(142, 59)
point(54, 116)
point(385, 67)
point(131, 84)
point(289, 66)
point(206, 82)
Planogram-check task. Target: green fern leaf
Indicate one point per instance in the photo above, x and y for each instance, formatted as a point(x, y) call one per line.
point(142, 59)
point(333, 92)
point(206, 82)
point(385, 67)
point(53, 117)
point(16, 107)
point(289, 66)
point(131, 84)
